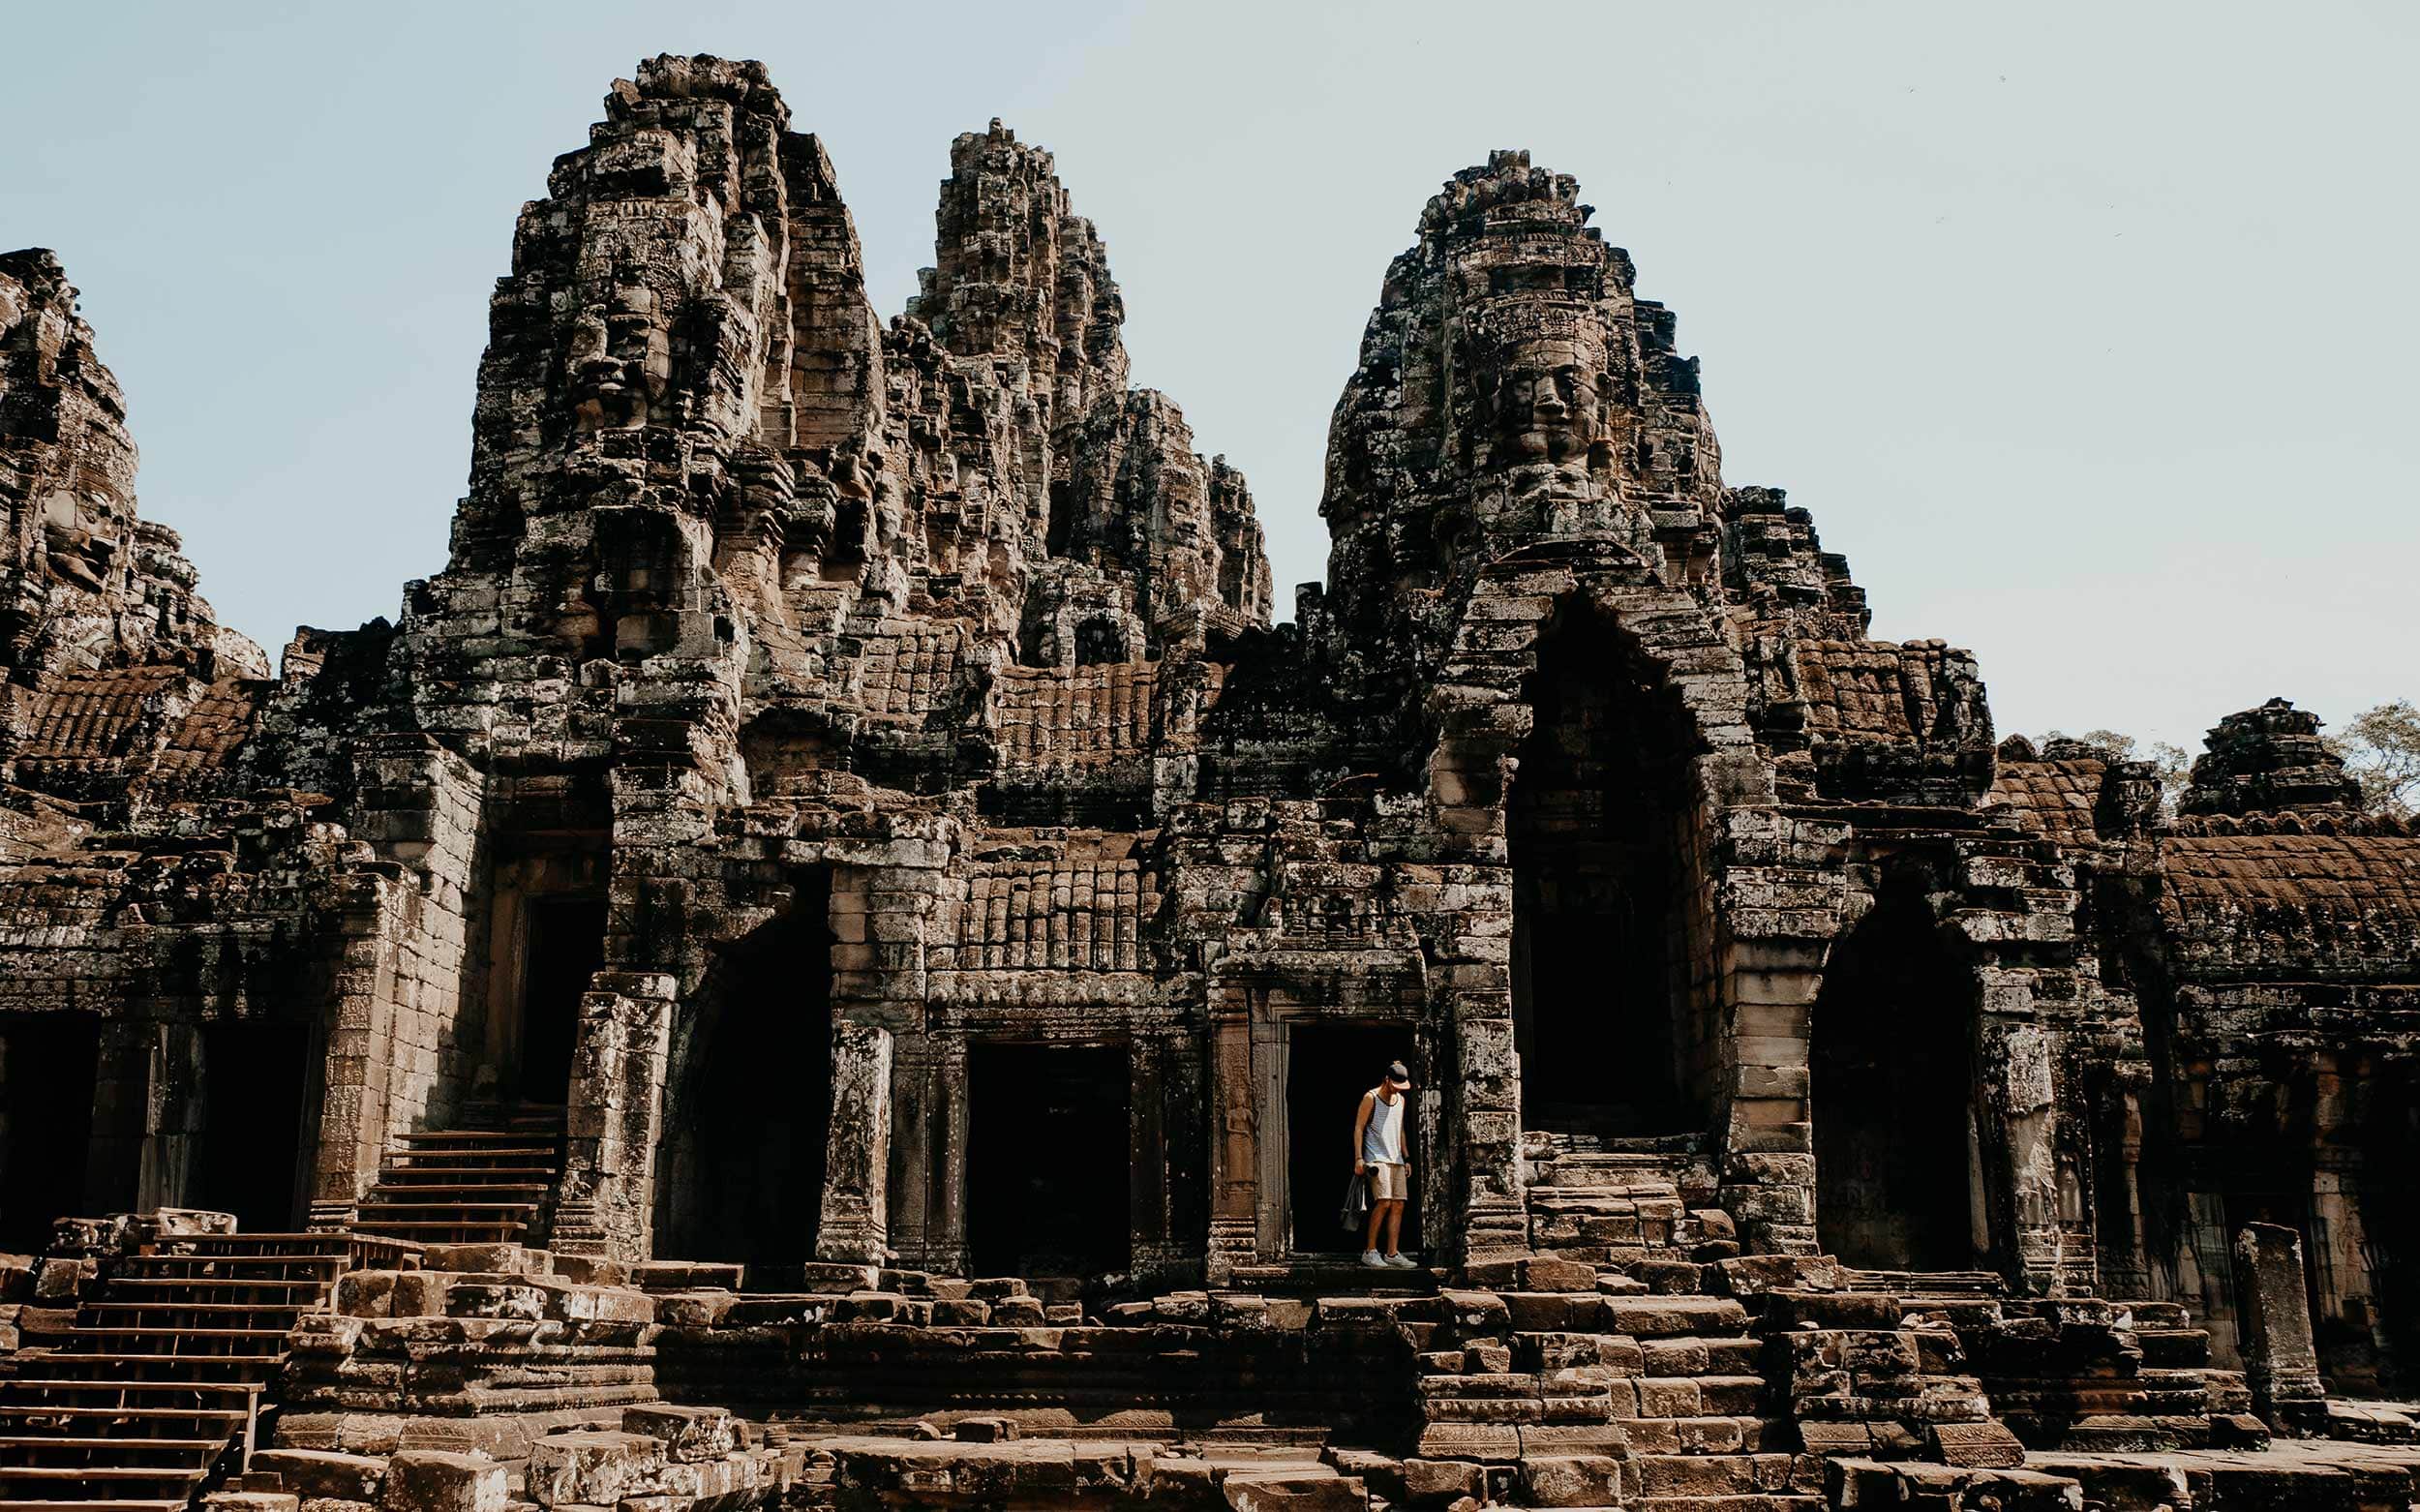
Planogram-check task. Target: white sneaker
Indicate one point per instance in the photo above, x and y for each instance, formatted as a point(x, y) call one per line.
point(1375, 1261)
point(1403, 1262)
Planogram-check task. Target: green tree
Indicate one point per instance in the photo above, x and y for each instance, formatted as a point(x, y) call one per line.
point(2381, 749)
point(2171, 762)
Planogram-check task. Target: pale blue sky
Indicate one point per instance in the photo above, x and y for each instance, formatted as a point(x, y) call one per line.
point(2087, 331)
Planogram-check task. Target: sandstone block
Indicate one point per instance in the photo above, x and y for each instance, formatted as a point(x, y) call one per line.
point(689, 1435)
point(423, 1481)
point(593, 1467)
point(315, 1473)
point(1279, 1490)
point(1432, 1483)
point(1571, 1481)
point(496, 1259)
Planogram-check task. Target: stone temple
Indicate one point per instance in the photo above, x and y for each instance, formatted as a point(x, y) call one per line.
point(827, 957)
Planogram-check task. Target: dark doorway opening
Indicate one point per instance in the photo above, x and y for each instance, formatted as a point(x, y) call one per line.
point(1328, 1066)
point(1890, 1065)
point(748, 1170)
point(1048, 1172)
point(1596, 823)
point(47, 1072)
point(566, 947)
point(253, 1081)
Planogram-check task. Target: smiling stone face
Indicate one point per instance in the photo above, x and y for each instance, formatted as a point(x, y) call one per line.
point(1547, 403)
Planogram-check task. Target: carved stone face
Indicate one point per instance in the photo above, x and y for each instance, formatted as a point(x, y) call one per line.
point(1547, 406)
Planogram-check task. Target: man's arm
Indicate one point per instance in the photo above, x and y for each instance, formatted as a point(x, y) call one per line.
point(1361, 1122)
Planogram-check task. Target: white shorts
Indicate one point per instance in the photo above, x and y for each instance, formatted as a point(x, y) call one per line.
point(1390, 1182)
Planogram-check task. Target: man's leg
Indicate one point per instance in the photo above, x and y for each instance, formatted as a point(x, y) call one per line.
point(1378, 1213)
point(1394, 1224)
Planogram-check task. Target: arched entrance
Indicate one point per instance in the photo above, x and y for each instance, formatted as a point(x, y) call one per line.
point(1598, 825)
point(750, 1116)
point(1890, 1065)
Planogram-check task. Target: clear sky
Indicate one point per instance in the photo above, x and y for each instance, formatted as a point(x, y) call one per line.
point(2087, 331)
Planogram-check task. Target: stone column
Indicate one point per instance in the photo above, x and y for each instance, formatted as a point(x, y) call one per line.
point(1147, 1188)
point(179, 1104)
point(352, 1124)
point(855, 1225)
point(125, 1083)
point(1778, 902)
point(1495, 1220)
point(927, 1154)
point(2280, 1363)
point(614, 1119)
point(1234, 1137)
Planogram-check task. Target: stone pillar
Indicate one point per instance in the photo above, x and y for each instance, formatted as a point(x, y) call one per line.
point(1780, 898)
point(1234, 1139)
point(855, 1225)
point(1495, 1222)
point(615, 1115)
point(1767, 996)
point(1147, 1139)
point(179, 1104)
point(2280, 1363)
point(354, 1070)
point(126, 1082)
point(924, 1202)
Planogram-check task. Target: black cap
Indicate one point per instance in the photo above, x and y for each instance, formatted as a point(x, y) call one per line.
point(1395, 1072)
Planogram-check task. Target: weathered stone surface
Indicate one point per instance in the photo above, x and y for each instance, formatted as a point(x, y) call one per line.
point(843, 761)
point(422, 1480)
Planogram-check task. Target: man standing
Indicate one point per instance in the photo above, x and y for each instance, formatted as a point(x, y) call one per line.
point(1379, 1156)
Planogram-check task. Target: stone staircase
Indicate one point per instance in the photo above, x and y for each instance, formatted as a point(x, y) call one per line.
point(163, 1377)
point(491, 1181)
point(1582, 1388)
point(1624, 1203)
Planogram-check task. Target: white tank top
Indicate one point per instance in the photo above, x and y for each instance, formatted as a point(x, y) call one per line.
point(1382, 1138)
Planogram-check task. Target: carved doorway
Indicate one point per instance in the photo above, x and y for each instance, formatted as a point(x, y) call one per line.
point(47, 1064)
point(749, 1097)
point(1890, 1069)
point(1598, 823)
point(1049, 1171)
point(255, 1079)
point(1328, 1066)
point(565, 948)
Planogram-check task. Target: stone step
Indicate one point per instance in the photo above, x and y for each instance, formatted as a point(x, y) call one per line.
point(274, 1267)
point(2174, 1346)
point(1755, 1502)
point(127, 1451)
point(1702, 1435)
point(20, 1387)
point(93, 1504)
point(164, 1477)
point(9, 1412)
point(1713, 1474)
point(1667, 1318)
point(1699, 1355)
point(525, 1151)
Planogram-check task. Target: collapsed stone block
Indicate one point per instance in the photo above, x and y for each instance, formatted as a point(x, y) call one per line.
point(2280, 1363)
point(593, 1467)
point(1276, 1491)
point(317, 1474)
point(689, 1435)
point(423, 1481)
point(1571, 1481)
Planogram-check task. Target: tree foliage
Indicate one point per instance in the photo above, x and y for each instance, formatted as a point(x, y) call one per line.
point(2381, 749)
point(2171, 762)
